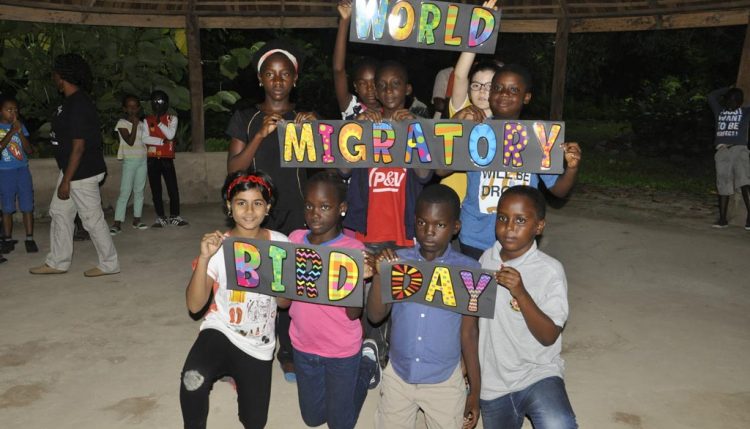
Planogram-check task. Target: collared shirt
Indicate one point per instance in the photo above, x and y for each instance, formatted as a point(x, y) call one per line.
point(512, 358)
point(426, 341)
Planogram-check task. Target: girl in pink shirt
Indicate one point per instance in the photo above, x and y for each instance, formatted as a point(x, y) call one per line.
point(333, 366)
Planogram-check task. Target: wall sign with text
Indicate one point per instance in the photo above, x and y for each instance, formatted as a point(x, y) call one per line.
point(495, 145)
point(470, 291)
point(425, 24)
point(301, 272)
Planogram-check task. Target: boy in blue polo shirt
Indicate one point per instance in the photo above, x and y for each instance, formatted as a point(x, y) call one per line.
point(427, 343)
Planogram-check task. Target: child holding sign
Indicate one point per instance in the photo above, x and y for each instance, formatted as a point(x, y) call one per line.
point(381, 200)
point(237, 335)
point(511, 90)
point(332, 374)
point(427, 342)
point(364, 98)
point(520, 347)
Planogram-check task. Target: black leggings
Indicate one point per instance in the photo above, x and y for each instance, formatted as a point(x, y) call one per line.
point(213, 356)
point(158, 167)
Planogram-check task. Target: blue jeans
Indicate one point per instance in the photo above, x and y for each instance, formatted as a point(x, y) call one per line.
point(545, 402)
point(332, 390)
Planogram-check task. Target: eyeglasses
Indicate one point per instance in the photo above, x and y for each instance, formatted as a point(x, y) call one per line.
point(476, 86)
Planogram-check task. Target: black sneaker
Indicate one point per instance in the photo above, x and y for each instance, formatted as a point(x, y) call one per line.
point(2, 259)
point(7, 246)
point(160, 222)
point(720, 224)
point(178, 221)
point(31, 246)
point(370, 351)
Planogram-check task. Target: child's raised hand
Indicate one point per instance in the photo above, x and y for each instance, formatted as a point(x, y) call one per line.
point(16, 126)
point(572, 154)
point(471, 113)
point(270, 122)
point(345, 9)
point(510, 279)
point(370, 115)
point(490, 4)
point(369, 264)
point(210, 243)
point(402, 114)
point(305, 116)
point(385, 255)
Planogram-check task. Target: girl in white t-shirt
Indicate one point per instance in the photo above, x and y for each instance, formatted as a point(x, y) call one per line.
point(132, 153)
point(237, 335)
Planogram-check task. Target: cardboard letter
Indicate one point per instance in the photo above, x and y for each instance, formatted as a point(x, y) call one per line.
point(305, 279)
point(546, 142)
point(429, 20)
point(277, 255)
point(370, 14)
point(305, 143)
point(348, 131)
point(338, 261)
point(441, 281)
point(449, 132)
point(482, 131)
point(515, 139)
point(246, 262)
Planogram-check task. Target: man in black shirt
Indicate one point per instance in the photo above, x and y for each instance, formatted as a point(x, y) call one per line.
point(77, 143)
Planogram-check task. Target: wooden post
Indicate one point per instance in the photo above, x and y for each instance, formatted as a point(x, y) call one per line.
point(737, 212)
point(561, 63)
point(192, 30)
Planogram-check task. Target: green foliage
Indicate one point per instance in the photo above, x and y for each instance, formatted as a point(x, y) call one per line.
point(123, 60)
point(217, 145)
point(669, 117)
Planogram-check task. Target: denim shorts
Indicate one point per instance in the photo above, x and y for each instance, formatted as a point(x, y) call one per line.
point(16, 182)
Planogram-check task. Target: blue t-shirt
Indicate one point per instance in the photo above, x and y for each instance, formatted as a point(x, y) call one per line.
point(483, 191)
point(425, 340)
point(13, 155)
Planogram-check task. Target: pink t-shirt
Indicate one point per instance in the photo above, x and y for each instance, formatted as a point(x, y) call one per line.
point(324, 330)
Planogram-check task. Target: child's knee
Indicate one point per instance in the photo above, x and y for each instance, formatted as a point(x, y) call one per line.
point(194, 380)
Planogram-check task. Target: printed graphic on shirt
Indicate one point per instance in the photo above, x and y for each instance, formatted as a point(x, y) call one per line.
point(13, 149)
point(492, 184)
point(728, 123)
point(386, 179)
point(250, 315)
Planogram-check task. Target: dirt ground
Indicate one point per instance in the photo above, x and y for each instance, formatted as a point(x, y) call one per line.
point(657, 337)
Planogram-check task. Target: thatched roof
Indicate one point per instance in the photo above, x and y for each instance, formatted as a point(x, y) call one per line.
point(518, 15)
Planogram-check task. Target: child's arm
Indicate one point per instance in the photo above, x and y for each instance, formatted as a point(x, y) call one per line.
point(470, 353)
point(76, 153)
point(541, 326)
point(240, 154)
point(6, 140)
point(199, 288)
point(377, 311)
point(565, 182)
point(170, 129)
point(461, 72)
point(340, 81)
point(129, 135)
point(461, 80)
point(148, 138)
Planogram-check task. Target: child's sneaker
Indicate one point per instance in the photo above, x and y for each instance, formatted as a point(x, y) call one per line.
point(720, 224)
point(114, 230)
point(2, 259)
point(31, 246)
point(178, 221)
point(370, 351)
point(140, 225)
point(160, 222)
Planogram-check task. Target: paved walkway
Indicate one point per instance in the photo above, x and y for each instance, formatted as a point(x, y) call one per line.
point(658, 335)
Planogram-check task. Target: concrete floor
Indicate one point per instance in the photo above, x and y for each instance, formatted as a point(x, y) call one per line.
point(657, 338)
